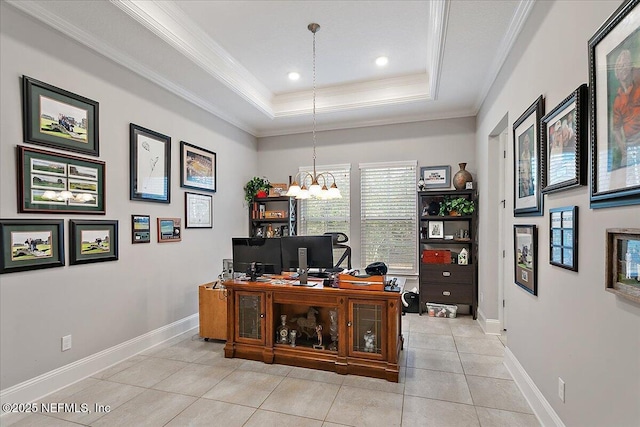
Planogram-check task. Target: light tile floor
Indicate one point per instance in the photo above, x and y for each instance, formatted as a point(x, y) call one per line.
point(451, 375)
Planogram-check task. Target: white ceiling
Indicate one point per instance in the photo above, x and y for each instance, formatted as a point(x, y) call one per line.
point(232, 58)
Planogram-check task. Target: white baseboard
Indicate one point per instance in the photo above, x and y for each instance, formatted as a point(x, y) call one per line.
point(489, 326)
point(541, 407)
point(49, 382)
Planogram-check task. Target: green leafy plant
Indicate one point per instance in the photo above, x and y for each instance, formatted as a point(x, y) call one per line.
point(460, 205)
point(254, 185)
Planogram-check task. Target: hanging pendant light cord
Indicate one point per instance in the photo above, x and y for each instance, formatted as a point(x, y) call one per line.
point(313, 30)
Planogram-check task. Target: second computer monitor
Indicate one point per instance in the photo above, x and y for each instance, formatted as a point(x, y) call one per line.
point(319, 251)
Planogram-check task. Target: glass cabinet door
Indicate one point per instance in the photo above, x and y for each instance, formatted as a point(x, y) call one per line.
point(250, 316)
point(367, 329)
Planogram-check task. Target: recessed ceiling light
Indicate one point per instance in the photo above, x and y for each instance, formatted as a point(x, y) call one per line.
point(294, 76)
point(382, 61)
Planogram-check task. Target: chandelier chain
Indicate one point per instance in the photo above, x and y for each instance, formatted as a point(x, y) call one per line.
point(314, 104)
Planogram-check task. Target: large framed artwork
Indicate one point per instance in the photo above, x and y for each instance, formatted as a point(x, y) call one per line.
point(614, 78)
point(562, 143)
point(563, 237)
point(92, 241)
point(525, 238)
point(31, 244)
point(197, 168)
point(623, 262)
point(150, 168)
point(58, 183)
point(57, 118)
point(527, 199)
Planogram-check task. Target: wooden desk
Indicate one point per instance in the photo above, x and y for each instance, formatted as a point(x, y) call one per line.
point(254, 317)
point(212, 304)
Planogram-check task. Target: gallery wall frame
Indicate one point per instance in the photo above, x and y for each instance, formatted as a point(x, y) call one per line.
point(623, 262)
point(198, 168)
point(615, 141)
point(563, 237)
point(563, 142)
point(527, 198)
point(436, 176)
point(150, 167)
point(31, 244)
point(169, 230)
point(92, 241)
point(57, 118)
point(58, 183)
point(140, 229)
point(525, 239)
point(198, 210)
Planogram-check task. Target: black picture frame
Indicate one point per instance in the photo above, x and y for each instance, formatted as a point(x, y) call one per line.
point(525, 240)
point(435, 229)
point(623, 263)
point(198, 210)
point(92, 241)
point(150, 167)
point(563, 237)
point(527, 198)
point(58, 183)
point(140, 229)
point(24, 247)
point(563, 139)
point(615, 145)
point(57, 118)
point(198, 168)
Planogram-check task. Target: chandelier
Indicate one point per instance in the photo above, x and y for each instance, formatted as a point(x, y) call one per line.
point(301, 191)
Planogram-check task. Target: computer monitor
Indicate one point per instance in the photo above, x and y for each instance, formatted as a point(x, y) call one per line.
point(265, 252)
point(319, 251)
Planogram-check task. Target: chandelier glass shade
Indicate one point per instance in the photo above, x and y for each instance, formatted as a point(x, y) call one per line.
point(314, 190)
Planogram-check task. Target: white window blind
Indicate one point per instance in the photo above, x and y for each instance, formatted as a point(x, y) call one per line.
point(388, 211)
point(322, 216)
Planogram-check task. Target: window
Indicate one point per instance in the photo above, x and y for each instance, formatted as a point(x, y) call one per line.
point(322, 216)
point(388, 216)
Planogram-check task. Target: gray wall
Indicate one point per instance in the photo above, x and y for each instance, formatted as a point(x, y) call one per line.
point(281, 156)
point(151, 285)
point(573, 329)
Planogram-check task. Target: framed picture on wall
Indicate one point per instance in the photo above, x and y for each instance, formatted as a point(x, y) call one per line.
point(436, 176)
point(197, 168)
point(58, 118)
point(623, 262)
point(31, 244)
point(58, 183)
point(140, 229)
point(562, 142)
point(526, 157)
point(563, 227)
point(150, 167)
point(198, 210)
point(525, 240)
point(169, 230)
point(614, 54)
point(92, 241)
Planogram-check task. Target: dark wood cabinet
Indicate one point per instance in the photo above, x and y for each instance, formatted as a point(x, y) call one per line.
point(443, 279)
point(273, 217)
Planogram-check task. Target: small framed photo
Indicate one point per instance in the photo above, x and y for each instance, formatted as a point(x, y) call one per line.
point(150, 168)
point(58, 183)
point(60, 119)
point(197, 168)
point(526, 157)
point(278, 189)
point(436, 176)
point(614, 52)
point(140, 229)
point(169, 230)
point(563, 230)
point(623, 263)
point(435, 230)
point(92, 241)
point(525, 239)
point(563, 140)
point(198, 210)
point(31, 244)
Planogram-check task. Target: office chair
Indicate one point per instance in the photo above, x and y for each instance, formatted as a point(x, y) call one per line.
point(339, 240)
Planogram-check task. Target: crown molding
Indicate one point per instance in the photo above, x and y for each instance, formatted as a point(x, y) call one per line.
point(437, 27)
point(167, 21)
point(515, 27)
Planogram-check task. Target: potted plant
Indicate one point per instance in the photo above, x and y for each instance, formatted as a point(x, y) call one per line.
point(256, 187)
point(456, 206)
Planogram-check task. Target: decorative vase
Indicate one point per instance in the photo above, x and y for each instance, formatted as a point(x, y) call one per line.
point(261, 194)
point(282, 335)
point(461, 177)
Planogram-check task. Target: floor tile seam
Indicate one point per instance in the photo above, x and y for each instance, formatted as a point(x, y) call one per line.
point(91, 376)
point(443, 400)
point(62, 419)
point(293, 415)
point(178, 414)
point(318, 381)
point(506, 410)
point(502, 379)
point(480, 354)
point(437, 370)
point(434, 349)
point(229, 403)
